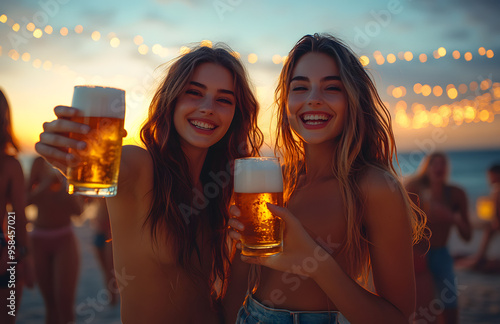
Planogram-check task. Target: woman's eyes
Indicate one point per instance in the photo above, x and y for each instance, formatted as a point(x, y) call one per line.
point(193, 92)
point(327, 88)
point(199, 94)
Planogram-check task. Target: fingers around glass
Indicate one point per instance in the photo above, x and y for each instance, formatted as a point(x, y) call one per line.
point(234, 223)
point(65, 126)
point(235, 211)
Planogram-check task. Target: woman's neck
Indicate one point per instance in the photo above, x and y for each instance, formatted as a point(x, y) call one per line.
point(195, 158)
point(319, 161)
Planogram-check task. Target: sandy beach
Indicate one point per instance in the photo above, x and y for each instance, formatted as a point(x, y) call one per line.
point(478, 293)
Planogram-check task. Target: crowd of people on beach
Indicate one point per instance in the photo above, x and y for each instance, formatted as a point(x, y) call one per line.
point(360, 244)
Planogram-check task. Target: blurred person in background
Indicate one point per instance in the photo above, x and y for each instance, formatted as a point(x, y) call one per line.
point(446, 206)
point(12, 221)
point(55, 248)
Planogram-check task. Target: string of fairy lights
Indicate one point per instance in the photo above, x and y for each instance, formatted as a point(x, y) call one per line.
point(479, 107)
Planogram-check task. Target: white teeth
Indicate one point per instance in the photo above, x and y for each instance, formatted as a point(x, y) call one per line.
point(202, 125)
point(315, 117)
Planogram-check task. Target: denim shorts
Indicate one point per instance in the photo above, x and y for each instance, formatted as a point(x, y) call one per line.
point(253, 312)
point(441, 266)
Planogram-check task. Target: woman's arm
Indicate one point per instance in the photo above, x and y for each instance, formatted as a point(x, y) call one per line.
point(390, 234)
point(462, 219)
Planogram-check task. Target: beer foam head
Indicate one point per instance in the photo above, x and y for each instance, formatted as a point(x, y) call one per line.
point(257, 175)
point(95, 101)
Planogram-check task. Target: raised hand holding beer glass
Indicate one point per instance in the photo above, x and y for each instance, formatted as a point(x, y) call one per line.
point(258, 181)
point(84, 143)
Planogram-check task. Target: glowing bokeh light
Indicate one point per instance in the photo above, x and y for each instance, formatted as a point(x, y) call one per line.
point(277, 59)
point(16, 27)
point(47, 65)
point(13, 54)
point(252, 58)
point(481, 51)
point(422, 57)
point(78, 29)
point(456, 54)
point(452, 93)
point(364, 60)
point(426, 90)
point(462, 88)
point(468, 56)
point(417, 88)
point(437, 91)
point(37, 33)
point(96, 35)
point(391, 58)
point(114, 42)
point(138, 40)
point(397, 92)
point(3, 19)
point(37, 63)
point(490, 54)
point(26, 57)
point(442, 51)
point(63, 31)
point(473, 86)
point(485, 84)
point(206, 43)
point(408, 56)
point(143, 49)
point(31, 27)
point(48, 29)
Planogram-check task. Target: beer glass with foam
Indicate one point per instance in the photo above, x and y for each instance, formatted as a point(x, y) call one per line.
point(103, 109)
point(258, 181)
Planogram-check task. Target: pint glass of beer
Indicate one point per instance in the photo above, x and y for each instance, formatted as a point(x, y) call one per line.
point(258, 181)
point(103, 109)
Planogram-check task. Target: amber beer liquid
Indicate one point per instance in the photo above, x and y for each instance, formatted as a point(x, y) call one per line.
point(258, 181)
point(103, 109)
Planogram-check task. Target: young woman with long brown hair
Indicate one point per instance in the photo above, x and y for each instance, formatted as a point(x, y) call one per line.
point(169, 218)
point(349, 224)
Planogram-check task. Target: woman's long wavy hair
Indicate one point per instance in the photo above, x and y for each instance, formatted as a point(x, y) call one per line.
point(175, 209)
point(8, 144)
point(421, 178)
point(367, 140)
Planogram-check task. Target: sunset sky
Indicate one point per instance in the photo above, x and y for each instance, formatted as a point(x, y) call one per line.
point(436, 63)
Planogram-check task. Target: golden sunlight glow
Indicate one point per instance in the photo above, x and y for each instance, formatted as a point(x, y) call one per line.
point(468, 56)
point(417, 88)
point(37, 63)
point(3, 19)
point(184, 50)
point(64, 31)
point(206, 43)
point(284, 58)
point(422, 57)
point(252, 58)
point(402, 119)
point(277, 59)
point(452, 93)
point(391, 58)
point(490, 54)
point(462, 88)
point(481, 51)
point(143, 49)
point(138, 40)
point(236, 54)
point(420, 119)
point(444, 111)
point(364, 60)
point(47, 65)
point(456, 54)
point(48, 29)
point(458, 115)
point(26, 57)
point(114, 42)
point(442, 51)
point(473, 86)
point(96, 35)
point(426, 90)
point(16, 27)
point(31, 27)
point(78, 29)
point(37, 33)
point(13, 54)
point(437, 91)
point(436, 120)
point(408, 56)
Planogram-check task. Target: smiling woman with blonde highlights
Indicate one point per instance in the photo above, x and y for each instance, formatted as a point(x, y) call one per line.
point(169, 233)
point(350, 224)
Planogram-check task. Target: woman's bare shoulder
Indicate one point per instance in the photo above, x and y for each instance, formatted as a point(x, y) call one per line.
point(136, 170)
